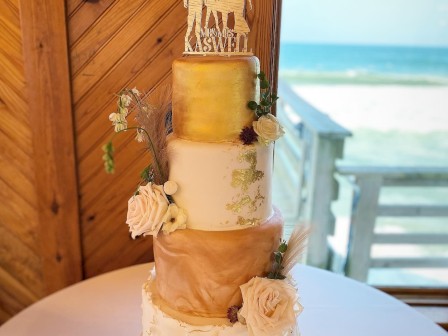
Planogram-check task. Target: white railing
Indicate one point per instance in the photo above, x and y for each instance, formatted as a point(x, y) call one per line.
point(366, 208)
point(313, 143)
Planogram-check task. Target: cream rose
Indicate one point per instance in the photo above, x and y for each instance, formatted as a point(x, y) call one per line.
point(174, 219)
point(147, 210)
point(270, 307)
point(268, 129)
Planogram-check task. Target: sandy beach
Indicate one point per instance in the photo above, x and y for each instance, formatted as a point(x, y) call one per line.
point(418, 109)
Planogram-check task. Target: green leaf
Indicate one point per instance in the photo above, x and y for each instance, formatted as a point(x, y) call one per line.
point(108, 157)
point(283, 247)
point(264, 84)
point(278, 258)
point(252, 105)
point(262, 76)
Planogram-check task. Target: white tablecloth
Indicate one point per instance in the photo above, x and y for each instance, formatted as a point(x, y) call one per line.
point(109, 305)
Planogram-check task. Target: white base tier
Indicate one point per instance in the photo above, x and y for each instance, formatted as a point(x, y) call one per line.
point(158, 322)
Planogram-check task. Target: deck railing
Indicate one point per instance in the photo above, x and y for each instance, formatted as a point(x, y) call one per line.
point(366, 208)
point(311, 147)
point(315, 142)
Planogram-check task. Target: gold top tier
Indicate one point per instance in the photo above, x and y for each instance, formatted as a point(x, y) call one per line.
point(210, 96)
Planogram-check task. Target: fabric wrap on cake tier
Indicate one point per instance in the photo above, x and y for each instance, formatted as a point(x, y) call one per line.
point(210, 96)
point(200, 272)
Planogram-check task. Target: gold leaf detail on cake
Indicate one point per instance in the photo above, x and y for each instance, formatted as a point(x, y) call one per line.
point(239, 205)
point(247, 221)
point(243, 178)
point(246, 200)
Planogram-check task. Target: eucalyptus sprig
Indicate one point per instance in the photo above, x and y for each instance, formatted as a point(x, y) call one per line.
point(267, 97)
point(108, 157)
point(277, 266)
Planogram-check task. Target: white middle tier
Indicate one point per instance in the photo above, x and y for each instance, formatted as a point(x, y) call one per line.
point(222, 186)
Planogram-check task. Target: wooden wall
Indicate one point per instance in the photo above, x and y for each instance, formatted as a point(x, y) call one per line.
point(61, 217)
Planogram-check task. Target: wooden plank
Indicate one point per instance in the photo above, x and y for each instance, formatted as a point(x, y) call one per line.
point(410, 238)
point(22, 292)
point(10, 37)
point(73, 6)
point(147, 25)
point(400, 176)
point(362, 226)
point(10, 15)
point(417, 180)
point(322, 189)
point(21, 262)
point(409, 262)
point(99, 33)
point(92, 164)
point(412, 211)
point(395, 171)
point(102, 95)
point(20, 163)
point(85, 16)
point(47, 73)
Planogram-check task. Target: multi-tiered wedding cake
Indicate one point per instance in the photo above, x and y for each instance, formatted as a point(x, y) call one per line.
point(221, 267)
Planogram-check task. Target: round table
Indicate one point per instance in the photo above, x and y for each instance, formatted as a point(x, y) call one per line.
point(109, 305)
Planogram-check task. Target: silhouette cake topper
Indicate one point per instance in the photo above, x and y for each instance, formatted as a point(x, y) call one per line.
point(217, 39)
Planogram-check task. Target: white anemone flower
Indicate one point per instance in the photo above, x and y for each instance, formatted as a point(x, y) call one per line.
point(174, 219)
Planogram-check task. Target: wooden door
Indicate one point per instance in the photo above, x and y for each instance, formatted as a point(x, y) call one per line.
point(61, 217)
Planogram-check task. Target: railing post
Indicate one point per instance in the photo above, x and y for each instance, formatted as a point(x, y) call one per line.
point(362, 226)
point(322, 189)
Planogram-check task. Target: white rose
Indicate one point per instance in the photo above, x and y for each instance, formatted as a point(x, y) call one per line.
point(174, 219)
point(268, 129)
point(170, 187)
point(147, 210)
point(270, 307)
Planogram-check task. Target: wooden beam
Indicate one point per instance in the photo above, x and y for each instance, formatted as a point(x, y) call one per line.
point(49, 94)
point(362, 226)
point(410, 238)
point(400, 176)
point(409, 262)
point(412, 210)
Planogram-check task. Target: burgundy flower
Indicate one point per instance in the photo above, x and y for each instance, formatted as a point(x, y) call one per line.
point(232, 314)
point(248, 135)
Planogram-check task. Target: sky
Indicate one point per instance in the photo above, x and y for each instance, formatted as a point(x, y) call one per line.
point(375, 22)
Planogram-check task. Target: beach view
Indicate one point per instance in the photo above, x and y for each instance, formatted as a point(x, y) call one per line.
point(393, 97)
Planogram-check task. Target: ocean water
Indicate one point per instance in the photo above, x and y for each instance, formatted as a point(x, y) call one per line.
point(358, 64)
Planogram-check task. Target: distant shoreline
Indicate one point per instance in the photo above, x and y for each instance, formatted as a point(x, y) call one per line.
point(366, 45)
point(353, 77)
point(363, 65)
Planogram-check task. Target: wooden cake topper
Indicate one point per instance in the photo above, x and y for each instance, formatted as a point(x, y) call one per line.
point(217, 39)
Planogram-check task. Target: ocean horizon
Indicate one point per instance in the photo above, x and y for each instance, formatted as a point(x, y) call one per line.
point(335, 64)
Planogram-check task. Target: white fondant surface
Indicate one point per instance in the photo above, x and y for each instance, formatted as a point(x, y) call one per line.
point(205, 172)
